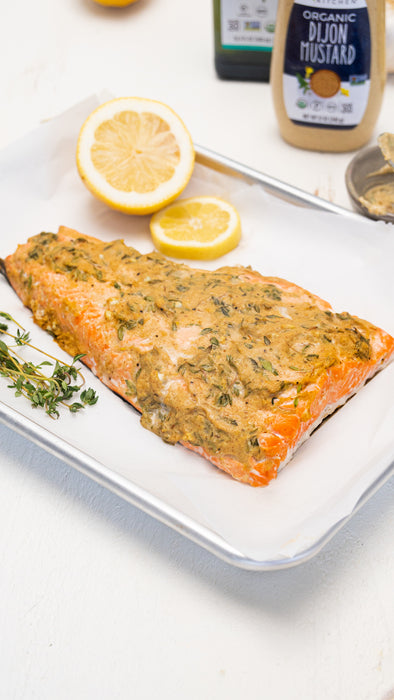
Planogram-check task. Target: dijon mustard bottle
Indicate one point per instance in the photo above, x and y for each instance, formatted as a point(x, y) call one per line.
point(328, 71)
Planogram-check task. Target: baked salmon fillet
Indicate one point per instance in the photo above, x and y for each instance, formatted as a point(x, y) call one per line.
point(235, 366)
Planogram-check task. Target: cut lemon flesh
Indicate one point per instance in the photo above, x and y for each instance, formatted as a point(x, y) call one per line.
point(200, 228)
point(135, 154)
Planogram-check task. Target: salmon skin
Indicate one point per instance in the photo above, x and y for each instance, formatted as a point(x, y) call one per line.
point(235, 366)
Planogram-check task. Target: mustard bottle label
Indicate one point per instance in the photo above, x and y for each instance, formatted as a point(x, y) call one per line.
point(327, 63)
point(248, 25)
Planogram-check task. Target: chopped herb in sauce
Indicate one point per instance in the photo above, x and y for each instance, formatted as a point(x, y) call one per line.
point(208, 351)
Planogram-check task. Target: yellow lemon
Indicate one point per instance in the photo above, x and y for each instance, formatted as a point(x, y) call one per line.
point(115, 3)
point(135, 154)
point(201, 228)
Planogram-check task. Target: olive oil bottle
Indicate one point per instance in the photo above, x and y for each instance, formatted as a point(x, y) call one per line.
point(244, 38)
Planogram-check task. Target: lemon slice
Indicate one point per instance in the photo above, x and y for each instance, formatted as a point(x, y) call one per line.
point(201, 228)
point(135, 154)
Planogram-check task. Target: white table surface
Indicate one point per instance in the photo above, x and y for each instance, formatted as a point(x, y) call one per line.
point(97, 600)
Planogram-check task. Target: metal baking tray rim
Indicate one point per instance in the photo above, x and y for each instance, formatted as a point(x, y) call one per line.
point(141, 498)
point(272, 185)
point(163, 512)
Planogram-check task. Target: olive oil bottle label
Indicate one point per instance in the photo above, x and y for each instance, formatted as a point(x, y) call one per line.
point(327, 63)
point(248, 25)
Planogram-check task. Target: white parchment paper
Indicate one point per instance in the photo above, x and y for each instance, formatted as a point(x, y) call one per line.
point(347, 262)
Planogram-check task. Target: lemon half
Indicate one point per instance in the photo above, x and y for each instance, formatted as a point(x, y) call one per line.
point(135, 154)
point(200, 228)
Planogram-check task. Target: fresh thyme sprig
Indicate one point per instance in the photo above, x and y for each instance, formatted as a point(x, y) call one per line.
point(28, 379)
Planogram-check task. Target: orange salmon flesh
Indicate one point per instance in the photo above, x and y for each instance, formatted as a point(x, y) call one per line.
point(235, 366)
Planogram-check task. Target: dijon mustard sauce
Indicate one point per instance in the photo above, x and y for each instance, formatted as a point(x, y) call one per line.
point(379, 200)
point(213, 353)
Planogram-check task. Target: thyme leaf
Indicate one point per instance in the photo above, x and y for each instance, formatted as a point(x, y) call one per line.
point(41, 389)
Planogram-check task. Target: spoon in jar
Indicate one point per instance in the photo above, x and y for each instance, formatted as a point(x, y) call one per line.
point(378, 200)
point(386, 145)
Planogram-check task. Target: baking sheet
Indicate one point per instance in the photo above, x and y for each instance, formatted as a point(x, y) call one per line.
point(346, 260)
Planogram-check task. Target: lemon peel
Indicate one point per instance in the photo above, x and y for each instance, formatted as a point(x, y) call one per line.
point(115, 3)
